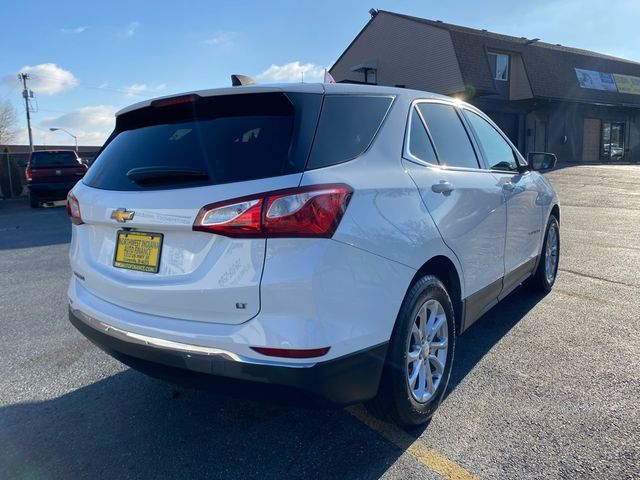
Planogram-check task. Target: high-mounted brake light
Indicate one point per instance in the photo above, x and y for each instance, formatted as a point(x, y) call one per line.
point(73, 209)
point(313, 211)
point(166, 102)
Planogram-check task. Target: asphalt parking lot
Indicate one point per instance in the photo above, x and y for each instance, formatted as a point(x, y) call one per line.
point(543, 386)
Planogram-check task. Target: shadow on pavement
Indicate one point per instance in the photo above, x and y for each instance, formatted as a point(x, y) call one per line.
point(476, 342)
point(25, 227)
point(132, 426)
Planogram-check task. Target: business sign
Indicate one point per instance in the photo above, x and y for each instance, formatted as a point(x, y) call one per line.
point(627, 84)
point(595, 80)
point(610, 82)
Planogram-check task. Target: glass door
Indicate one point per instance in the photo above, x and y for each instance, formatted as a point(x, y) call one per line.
point(612, 141)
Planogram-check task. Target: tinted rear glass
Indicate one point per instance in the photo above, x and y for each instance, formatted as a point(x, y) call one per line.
point(347, 126)
point(46, 159)
point(224, 139)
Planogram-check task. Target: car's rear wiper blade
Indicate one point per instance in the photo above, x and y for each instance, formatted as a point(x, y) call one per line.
point(155, 175)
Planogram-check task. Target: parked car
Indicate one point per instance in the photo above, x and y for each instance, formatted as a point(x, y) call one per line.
point(51, 174)
point(332, 238)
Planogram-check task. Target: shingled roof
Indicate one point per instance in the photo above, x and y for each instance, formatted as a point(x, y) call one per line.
point(550, 68)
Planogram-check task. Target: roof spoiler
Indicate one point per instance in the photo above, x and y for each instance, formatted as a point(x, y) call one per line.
point(239, 80)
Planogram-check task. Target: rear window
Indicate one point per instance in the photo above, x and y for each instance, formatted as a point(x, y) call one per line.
point(346, 128)
point(210, 141)
point(46, 159)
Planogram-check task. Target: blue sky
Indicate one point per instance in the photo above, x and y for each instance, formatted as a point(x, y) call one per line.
point(89, 59)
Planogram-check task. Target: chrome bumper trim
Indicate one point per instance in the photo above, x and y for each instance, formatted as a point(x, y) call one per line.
point(160, 343)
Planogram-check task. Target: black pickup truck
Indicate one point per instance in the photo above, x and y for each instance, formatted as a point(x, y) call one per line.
point(51, 174)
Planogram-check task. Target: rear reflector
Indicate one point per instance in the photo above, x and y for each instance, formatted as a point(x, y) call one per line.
point(73, 209)
point(313, 211)
point(291, 353)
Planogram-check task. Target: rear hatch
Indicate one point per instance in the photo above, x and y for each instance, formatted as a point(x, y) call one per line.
point(55, 167)
point(163, 163)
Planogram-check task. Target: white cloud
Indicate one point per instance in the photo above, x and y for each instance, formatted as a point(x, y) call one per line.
point(221, 39)
point(292, 72)
point(91, 124)
point(130, 31)
point(137, 89)
point(48, 78)
point(88, 118)
point(79, 29)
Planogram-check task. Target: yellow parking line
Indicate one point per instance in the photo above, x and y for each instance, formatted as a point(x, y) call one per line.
point(431, 459)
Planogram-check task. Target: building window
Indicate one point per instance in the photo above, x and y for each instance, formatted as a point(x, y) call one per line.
point(371, 76)
point(612, 140)
point(499, 63)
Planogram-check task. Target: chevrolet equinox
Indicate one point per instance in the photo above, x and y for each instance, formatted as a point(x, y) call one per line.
point(331, 238)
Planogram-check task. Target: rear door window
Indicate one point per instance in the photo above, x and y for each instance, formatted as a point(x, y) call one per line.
point(209, 141)
point(346, 128)
point(52, 159)
point(449, 135)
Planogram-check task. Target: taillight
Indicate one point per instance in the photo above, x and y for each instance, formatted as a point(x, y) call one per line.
point(28, 174)
point(73, 209)
point(313, 211)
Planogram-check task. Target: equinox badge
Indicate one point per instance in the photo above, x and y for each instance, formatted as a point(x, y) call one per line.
point(121, 215)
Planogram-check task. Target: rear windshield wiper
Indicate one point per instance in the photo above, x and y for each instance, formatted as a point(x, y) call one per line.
point(164, 175)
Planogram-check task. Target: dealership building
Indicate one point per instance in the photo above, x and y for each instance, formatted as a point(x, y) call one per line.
point(578, 104)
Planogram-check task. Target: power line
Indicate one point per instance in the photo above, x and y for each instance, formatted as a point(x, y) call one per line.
point(92, 87)
point(11, 90)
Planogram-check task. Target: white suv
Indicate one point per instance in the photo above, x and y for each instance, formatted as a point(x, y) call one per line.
point(332, 238)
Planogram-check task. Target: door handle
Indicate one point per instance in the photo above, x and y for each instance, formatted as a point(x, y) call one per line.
point(442, 187)
point(509, 187)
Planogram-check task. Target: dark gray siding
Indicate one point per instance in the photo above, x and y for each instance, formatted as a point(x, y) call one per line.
point(408, 53)
point(518, 80)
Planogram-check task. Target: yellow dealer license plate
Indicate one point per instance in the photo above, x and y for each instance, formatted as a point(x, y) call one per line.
point(138, 251)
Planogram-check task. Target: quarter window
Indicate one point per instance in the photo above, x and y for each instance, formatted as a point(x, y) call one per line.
point(497, 152)
point(347, 126)
point(419, 143)
point(449, 135)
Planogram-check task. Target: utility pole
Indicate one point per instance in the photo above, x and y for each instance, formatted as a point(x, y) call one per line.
point(26, 93)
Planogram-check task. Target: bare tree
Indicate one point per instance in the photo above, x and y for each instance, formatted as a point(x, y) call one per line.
point(8, 122)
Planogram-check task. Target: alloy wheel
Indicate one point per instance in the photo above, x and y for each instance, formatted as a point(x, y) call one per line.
point(427, 348)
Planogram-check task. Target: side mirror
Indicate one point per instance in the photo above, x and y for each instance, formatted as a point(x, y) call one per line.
point(540, 161)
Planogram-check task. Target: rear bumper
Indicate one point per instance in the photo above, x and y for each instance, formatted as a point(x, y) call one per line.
point(347, 379)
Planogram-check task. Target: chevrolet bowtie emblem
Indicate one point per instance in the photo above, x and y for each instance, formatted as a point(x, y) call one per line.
point(121, 215)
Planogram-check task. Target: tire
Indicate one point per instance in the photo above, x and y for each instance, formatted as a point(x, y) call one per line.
point(34, 201)
point(397, 400)
point(545, 275)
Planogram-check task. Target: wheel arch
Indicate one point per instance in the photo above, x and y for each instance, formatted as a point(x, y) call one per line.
point(555, 210)
point(445, 269)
